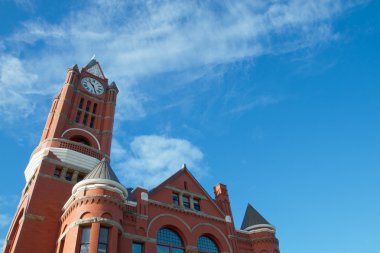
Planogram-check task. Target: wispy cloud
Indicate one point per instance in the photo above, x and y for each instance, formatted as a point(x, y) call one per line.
point(137, 39)
point(153, 158)
point(256, 102)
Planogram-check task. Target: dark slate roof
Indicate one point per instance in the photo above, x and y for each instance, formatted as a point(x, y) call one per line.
point(103, 171)
point(252, 217)
point(91, 63)
point(130, 194)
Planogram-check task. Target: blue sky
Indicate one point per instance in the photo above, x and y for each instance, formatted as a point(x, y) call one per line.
point(277, 99)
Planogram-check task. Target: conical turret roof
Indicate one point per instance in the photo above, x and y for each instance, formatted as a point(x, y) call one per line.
point(252, 217)
point(103, 171)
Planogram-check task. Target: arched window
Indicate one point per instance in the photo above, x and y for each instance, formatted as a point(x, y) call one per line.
point(80, 139)
point(207, 245)
point(168, 241)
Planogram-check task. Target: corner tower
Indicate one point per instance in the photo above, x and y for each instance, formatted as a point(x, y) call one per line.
point(77, 135)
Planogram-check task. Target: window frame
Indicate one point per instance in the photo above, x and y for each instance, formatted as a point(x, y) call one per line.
point(170, 246)
point(187, 205)
point(81, 239)
point(175, 202)
point(210, 239)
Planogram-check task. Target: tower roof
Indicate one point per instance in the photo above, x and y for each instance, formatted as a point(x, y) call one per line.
point(252, 217)
point(103, 171)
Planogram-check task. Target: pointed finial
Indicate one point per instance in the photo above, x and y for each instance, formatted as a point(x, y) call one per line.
point(184, 166)
point(93, 57)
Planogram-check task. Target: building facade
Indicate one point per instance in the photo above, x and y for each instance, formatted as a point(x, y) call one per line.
point(74, 203)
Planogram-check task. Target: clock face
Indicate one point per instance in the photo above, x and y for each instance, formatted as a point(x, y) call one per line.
point(92, 85)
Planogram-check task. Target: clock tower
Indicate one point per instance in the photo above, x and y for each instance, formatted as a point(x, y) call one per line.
point(76, 137)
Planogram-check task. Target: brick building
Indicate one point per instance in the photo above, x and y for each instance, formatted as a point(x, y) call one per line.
point(73, 201)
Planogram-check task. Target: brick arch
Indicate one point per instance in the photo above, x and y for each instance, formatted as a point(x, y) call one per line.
point(212, 231)
point(73, 132)
point(107, 215)
point(85, 215)
point(169, 221)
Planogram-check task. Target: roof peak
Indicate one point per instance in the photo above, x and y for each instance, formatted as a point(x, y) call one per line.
point(103, 170)
point(252, 217)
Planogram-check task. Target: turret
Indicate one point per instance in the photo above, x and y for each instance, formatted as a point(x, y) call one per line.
point(91, 217)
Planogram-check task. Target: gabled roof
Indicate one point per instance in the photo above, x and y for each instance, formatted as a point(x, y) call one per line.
point(252, 217)
point(94, 68)
point(103, 171)
point(186, 171)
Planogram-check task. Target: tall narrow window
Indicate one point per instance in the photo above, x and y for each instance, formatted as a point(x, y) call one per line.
point(94, 108)
point(88, 106)
point(85, 119)
point(92, 121)
point(137, 247)
point(175, 199)
point(103, 240)
point(186, 201)
point(85, 241)
point(61, 245)
point(196, 204)
point(81, 103)
point(77, 118)
point(168, 241)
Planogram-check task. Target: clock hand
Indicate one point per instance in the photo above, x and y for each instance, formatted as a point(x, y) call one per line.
point(93, 87)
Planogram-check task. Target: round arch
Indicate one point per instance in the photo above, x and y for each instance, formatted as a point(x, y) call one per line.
point(213, 232)
point(72, 132)
point(169, 221)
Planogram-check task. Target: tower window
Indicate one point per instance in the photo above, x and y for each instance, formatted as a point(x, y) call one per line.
point(57, 172)
point(94, 108)
point(80, 177)
point(103, 240)
point(175, 199)
point(81, 103)
point(69, 175)
point(186, 201)
point(77, 118)
point(85, 119)
point(80, 139)
point(85, 241)
point(196, 204)
point(88, 106)
point(92, 121)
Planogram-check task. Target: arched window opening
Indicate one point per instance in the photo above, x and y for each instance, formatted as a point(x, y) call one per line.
point(88, 105)
point(81, 103)
point(80, 139)
point(168, 241)
point(207, 245)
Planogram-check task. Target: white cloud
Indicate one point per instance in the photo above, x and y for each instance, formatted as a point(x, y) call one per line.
point(142, 38)
point(16, 87)
point(5, 220)
point(153, 158)
point(256, 102)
